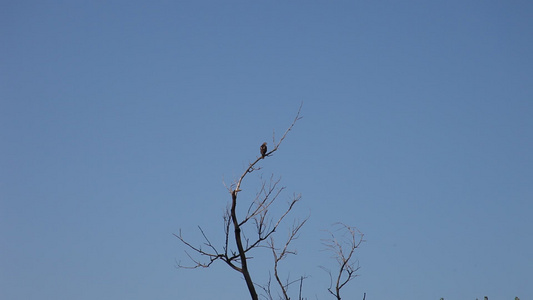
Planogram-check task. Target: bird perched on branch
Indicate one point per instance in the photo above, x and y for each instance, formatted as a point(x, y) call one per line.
point(263, 150)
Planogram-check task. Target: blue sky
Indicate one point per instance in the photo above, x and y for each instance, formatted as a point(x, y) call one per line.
point(120, 120)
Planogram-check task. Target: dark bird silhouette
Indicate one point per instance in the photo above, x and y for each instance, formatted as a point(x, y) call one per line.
point(263, 150)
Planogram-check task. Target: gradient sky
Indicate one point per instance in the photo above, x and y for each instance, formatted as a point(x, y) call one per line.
point(120, 120)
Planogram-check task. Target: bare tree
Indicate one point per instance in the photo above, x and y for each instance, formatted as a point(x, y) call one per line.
point(257, 214)
point(256, 230)
point(343, 251)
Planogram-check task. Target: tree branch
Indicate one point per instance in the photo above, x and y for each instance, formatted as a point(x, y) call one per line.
point(343, 251)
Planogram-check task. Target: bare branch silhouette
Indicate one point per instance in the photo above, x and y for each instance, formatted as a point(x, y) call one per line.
point(282, 253)
point(257, 228)
point(257, 213)
point(343, 251)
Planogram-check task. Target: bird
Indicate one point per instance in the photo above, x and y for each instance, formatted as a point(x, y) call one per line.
point(263, 150)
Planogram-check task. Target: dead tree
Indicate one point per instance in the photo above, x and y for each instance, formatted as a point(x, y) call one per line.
point(256, 230)
point(343, 250)
point(256, 217)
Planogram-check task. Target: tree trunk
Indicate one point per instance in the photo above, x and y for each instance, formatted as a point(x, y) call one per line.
point(242, 255)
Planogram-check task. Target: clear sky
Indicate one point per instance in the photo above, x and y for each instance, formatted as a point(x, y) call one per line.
point(119, 121)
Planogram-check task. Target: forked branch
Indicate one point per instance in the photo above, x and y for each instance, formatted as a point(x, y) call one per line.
point(343, 249)
point(281, 253)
